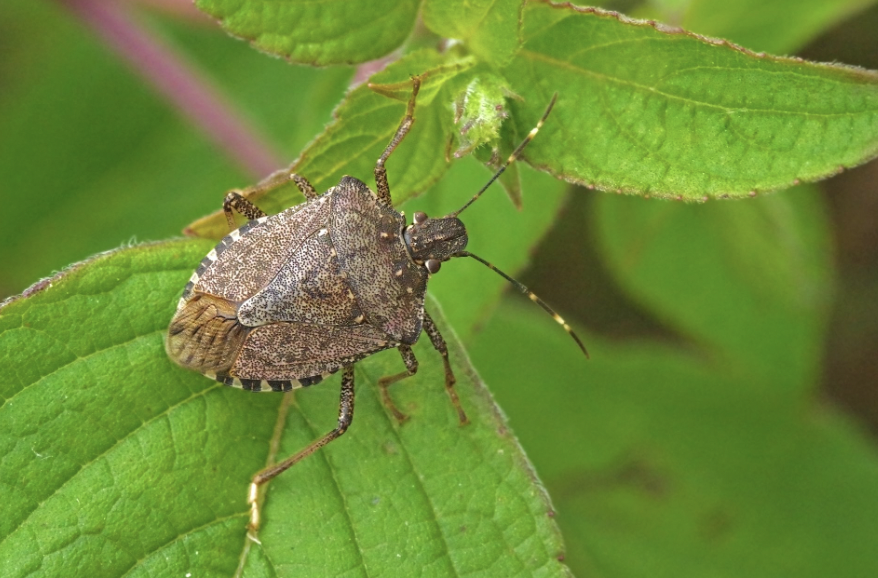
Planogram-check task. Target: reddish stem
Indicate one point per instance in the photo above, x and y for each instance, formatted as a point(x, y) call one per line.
point(180, 82)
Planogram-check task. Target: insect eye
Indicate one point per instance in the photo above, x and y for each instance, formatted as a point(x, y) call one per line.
point(432, 266)
point(420, 217)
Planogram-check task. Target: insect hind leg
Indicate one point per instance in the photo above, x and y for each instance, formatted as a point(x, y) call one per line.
point(345, 417)
point(411, 364)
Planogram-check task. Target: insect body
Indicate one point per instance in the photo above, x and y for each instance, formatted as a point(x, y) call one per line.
point(286, 300)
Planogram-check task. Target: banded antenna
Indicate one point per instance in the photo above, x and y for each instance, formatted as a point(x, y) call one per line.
point(518, 284)
point(531, 295)
point(512, 158)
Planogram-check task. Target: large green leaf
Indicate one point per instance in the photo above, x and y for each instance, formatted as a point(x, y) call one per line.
point(651, 110)
point(115, 461)
point(739, 279)
point(664, 465)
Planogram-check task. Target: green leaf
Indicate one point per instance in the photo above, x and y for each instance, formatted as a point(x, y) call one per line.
point(778, 27)
point(490, 28)
point(649, 110)
point(467, 290)
point(364, 123)
point(91, 157)
point(319, 33)
point(114, 461)
point(739, 279)
point(665, 465)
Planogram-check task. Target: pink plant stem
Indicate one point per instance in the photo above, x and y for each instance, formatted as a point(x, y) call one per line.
point(181, 83)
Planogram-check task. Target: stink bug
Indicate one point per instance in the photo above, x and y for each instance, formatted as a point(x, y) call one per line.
point(284, 301)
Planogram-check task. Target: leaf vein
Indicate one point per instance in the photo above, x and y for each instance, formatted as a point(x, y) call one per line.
point(180, 537)
point(729, 110)
point(76, 359)
point(393, 427)
point(106, 452)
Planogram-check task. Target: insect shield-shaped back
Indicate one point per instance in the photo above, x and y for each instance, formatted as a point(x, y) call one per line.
point(287, 300)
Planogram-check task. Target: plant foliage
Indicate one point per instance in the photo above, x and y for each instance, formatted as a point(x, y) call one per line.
point(704, 457)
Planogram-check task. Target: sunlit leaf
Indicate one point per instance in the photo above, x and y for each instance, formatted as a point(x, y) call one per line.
point(320, 33)
point(490, 28)
point(656, 111)
point(114, 461)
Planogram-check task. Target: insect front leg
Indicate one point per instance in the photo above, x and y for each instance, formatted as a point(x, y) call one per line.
point(383, 189)
point(439, 344)
point(411, 365)
point(345, 417)
point(306, 188)
point(238, 199)
point(236, 202)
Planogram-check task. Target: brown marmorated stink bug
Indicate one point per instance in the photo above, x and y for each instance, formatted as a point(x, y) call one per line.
point(284, 301)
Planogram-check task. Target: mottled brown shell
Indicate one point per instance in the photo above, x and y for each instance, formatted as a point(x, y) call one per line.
point(288, 299)
point(368, 237)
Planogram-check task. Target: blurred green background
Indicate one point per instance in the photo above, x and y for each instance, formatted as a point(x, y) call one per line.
point(725, 425)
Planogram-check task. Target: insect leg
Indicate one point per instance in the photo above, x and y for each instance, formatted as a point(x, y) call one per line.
point(440, 346)
point(345, 417)
point(411, 365)
point(307, 188)
point(239, 199)
point(404, 126)
point(235, 201)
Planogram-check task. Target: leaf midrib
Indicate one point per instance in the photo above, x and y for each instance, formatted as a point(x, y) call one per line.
point(539, 56)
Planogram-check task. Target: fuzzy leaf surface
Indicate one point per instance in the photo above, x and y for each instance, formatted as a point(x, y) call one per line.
point(648, 110)
point(318, 33)
point(365, 122)
point(116, 462)
point(491, 28)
